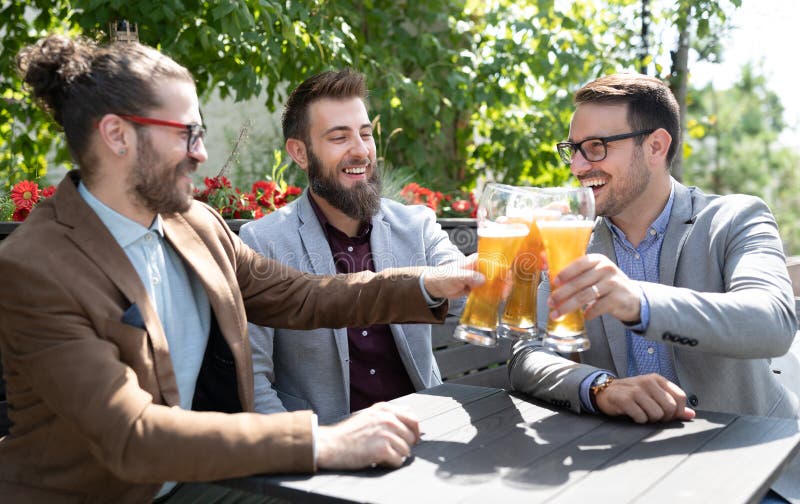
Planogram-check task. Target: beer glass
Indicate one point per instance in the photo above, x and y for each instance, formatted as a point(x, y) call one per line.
point(565, 239)
point(503, 223)
point(519, 315)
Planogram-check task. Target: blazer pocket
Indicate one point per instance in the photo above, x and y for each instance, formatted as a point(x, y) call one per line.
point(292, 402)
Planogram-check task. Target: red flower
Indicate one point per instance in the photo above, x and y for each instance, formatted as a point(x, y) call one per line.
point(25, 194)
point(461, 205)
point(20, 214)
point(48, 191)
point(218, 182)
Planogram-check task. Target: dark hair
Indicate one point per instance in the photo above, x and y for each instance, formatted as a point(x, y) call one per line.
point(78, 82)
point(339, 85)
point(651, 104)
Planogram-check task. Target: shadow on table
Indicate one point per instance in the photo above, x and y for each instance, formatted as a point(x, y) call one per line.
point(530, 446)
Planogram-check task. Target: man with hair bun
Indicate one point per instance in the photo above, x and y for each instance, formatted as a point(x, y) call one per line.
point(123, 327)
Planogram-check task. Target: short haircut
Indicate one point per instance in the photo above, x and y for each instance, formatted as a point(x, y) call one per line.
point(651, 104)
point(78, 82)
point(336, 85)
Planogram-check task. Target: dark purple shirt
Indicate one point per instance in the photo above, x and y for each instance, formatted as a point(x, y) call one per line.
point(376, 370)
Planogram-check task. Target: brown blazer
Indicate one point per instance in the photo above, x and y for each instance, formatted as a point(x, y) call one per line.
point(93, 400)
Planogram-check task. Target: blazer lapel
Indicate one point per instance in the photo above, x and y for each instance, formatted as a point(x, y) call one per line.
point(680, 223)
point(92, 237)
point(225, 302)
point(602, 243)
point(318, 251)
point(313, 238)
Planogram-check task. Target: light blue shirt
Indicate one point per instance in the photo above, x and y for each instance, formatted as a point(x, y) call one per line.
point(176, 293)
point(641, 263)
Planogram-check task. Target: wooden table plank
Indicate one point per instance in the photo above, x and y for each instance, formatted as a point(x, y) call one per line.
point(485, 445)
point(749, 445)
point(641, 465)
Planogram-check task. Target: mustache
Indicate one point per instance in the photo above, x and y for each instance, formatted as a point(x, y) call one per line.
point(592, 174)
point(352, 162)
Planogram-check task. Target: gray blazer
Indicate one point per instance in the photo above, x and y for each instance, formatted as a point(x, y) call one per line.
point(724, 306)
point(297, 370)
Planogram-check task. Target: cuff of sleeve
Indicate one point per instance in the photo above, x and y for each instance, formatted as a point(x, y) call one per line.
point(432, 303)
point(585, 390)
point(644, 316)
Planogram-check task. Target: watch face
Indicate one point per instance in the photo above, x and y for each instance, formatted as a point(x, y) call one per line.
point(601, 380)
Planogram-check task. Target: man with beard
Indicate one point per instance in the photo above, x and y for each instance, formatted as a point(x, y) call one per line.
point(339, 225)
point(125, 304)
point(686, 295)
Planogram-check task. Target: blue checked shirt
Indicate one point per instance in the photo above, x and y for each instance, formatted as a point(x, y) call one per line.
point(641, 263)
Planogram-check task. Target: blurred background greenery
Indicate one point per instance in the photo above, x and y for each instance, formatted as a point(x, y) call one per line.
point(467, 90)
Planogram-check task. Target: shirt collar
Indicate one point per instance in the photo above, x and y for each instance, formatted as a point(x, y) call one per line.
point(660, 224)
point(124, 230)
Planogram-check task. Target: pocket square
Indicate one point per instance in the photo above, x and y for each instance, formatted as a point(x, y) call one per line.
point(133, 317)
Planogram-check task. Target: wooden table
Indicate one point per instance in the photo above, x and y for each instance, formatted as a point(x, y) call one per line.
point(485, 445)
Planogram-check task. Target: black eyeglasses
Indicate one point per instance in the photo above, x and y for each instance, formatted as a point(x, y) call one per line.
point(593, 149)
point(195, 131)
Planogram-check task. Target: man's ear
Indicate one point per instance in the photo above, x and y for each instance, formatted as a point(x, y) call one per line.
point(657, 144)
point(297, 151)
point(115, 134)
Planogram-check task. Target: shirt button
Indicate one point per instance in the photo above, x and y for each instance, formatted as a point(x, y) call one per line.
point(364, 333)
point(652, 232)
point(651, 350)
point(637, 256)
point(156, 280)
point(350, 249)
point(148, 236)
point(372, 371)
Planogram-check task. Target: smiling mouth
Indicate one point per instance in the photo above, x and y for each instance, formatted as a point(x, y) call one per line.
point(356, 170)
point(594, 182)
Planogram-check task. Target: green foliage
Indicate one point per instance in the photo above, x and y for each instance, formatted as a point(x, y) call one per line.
point(478, 88)
point(732, 149)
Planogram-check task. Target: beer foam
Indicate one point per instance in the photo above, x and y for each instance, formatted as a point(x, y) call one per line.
point(503, 231)
point(565, 223)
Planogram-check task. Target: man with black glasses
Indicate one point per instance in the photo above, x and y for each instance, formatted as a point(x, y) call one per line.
point(686, 295)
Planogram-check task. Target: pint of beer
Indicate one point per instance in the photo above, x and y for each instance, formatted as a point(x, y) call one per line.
point(519, 316)
point(565, 239)
point(501, 231)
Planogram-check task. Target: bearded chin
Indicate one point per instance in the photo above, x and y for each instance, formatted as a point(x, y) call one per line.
point(155, 185)
point(360, 201)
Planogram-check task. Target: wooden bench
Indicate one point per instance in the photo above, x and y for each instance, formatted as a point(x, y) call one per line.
point(467, 364)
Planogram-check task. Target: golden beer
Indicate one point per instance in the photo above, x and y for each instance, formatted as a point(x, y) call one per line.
point(565, 241)
point(497, 248)
point(519, 316)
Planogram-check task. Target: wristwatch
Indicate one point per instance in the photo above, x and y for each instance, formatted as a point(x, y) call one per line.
point(600, 383)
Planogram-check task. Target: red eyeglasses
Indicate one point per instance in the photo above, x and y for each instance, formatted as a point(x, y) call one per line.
point(195, 131)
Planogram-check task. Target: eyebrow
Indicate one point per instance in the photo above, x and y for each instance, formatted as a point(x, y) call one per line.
point(345, 128)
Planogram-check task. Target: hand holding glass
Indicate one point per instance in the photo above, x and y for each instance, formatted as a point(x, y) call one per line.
point(565, 239)
point(503, 223)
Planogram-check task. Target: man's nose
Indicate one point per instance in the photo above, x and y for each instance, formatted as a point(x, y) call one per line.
point(200, 153)
point(579, 164)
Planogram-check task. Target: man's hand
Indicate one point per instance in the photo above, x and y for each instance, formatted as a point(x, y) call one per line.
point(453, 280)
point(594, 282)
point(379, 435)
point(646, 399)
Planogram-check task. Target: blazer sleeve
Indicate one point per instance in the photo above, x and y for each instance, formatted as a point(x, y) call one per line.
point(73, 371)
point(752, 315)
point(546, 375)
point(439, 250)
